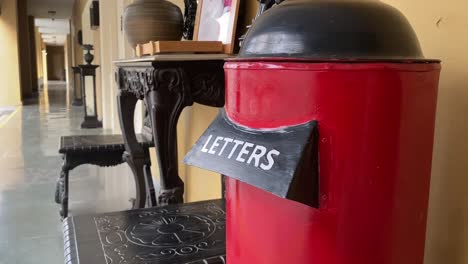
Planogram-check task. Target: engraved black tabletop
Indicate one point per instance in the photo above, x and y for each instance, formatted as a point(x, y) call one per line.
point(177, 234)
point(93, 143)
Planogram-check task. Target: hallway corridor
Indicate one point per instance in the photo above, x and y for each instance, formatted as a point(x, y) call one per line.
point(30, 226)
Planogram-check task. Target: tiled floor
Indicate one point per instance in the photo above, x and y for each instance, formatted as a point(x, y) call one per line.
point(5, 113)
point(30, 227)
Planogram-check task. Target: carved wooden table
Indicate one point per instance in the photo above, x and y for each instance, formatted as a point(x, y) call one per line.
point(192, 233)
point(167, 84)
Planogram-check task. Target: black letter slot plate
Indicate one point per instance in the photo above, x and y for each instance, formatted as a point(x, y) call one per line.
point(283, 162)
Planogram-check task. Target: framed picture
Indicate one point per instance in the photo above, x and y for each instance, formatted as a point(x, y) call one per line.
point(216, 21)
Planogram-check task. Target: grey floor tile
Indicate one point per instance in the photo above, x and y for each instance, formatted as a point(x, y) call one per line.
point(33, 251)
point(30, 227)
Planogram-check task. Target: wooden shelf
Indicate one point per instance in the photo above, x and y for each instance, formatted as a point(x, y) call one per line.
point(159, 47)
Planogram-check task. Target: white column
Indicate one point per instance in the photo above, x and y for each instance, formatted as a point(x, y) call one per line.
point(109, 28)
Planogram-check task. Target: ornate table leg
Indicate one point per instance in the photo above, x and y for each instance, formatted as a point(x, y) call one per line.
point(134, 154)
point(167, 88)
point(64, 187)
point(166, 99)
point(59, 188)
point(150, 191)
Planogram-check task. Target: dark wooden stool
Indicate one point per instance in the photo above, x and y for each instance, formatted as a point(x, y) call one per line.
point(103, 151)
point(192, 233)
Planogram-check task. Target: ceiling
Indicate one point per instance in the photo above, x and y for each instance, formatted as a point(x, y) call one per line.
point(53, 27)
point(40, 8)
point(53, 32)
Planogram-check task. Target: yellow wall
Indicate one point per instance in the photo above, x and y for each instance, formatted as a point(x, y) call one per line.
point(69, 60)
point(77, 56)
point(9, 62)
point(78, 8)
point(76, 25)
point(24, 50)
point(200, 184)
point(93, 37)
point(45, 74)
point(39, 65)
point(67, 48)
point(442, 28)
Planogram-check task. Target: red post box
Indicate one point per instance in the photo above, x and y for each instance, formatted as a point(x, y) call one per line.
point(326, 137)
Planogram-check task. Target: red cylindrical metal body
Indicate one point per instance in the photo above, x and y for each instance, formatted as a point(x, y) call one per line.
point(376, 128)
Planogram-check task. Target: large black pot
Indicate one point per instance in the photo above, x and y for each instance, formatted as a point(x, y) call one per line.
point(152, 20)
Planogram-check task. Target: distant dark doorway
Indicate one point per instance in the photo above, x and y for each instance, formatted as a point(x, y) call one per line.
point(56, 63)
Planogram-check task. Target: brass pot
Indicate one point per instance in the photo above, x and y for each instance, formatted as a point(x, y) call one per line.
point(152, 20)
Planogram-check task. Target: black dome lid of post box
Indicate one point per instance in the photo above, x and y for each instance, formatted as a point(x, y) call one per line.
point(332, 30)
